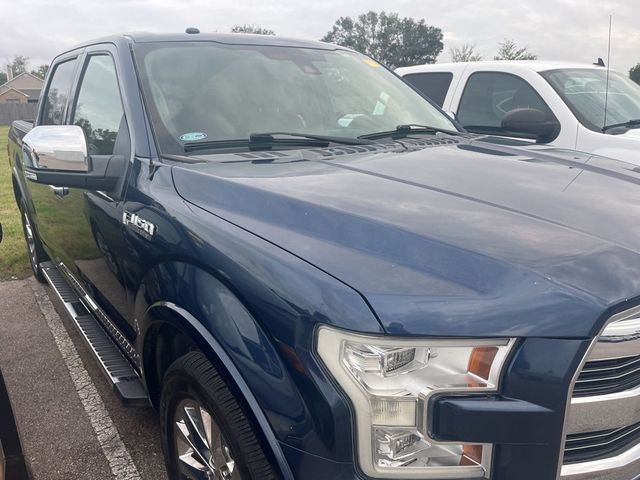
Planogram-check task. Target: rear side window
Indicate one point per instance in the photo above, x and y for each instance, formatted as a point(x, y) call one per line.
point(488, 96)
point(98, 107)
point(434, 85)
point(58, 93)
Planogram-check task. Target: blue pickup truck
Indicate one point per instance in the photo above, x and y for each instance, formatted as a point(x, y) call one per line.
point(311, 272)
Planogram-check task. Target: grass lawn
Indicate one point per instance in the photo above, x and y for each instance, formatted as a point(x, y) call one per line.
point(13, 251)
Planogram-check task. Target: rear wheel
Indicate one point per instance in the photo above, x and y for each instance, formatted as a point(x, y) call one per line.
point(34, 246)
point(206, 432)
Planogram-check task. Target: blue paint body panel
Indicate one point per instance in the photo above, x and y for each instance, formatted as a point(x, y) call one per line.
point(431, 237)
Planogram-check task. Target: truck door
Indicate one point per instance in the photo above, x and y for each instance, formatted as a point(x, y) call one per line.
point(488, 96)
point(46, 199)
point(91, 243)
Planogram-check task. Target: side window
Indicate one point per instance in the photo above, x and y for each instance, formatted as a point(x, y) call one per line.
point(58, 93)
point(434, 85)
point(98, 108)
point(488, 96)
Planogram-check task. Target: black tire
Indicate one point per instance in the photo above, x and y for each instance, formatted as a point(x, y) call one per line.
point(193, 378)
point(35, 251)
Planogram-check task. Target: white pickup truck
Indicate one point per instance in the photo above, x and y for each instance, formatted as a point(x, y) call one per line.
point(561, 104)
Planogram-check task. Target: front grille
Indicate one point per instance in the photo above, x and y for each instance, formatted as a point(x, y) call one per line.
point(603, 419)
point(590, 446)
point(600, 377)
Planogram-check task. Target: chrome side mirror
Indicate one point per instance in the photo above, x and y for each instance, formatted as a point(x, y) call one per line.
point(57, 155)
point(56, 147)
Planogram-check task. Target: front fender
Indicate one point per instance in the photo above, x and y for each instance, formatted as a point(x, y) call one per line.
point(188, 325)
point(280, 381)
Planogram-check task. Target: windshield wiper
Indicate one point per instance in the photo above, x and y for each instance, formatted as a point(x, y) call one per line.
point(259, 141)
point(629, 124)
point(403, 131)
point(312, 136)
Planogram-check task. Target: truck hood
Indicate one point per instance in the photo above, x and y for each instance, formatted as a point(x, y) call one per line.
point(622, 146)
point(633, 133)
point(445, 237)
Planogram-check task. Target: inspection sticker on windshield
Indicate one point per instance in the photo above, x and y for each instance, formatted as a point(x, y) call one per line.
point(371, 62)
point(193, 136)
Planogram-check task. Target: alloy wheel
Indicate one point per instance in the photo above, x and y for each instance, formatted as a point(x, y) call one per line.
point(203, 451)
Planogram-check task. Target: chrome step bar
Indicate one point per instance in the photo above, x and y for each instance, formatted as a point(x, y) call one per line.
point(125, 380)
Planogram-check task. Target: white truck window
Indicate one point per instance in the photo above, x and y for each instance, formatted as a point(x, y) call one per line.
point(488, 96)
point(583, 90)
point(434, 85)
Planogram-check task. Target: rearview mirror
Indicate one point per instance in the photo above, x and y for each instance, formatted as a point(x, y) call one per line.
point(57, 155)
point(532, 123)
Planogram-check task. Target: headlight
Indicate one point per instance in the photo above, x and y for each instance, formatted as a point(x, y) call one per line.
point(390, 382)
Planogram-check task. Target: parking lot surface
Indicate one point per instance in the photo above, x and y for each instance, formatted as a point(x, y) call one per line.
point(70, 423)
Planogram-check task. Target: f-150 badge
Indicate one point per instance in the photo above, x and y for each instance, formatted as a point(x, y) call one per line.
point(142, 226)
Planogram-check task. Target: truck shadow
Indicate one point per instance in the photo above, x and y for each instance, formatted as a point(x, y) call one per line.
point(12, 465)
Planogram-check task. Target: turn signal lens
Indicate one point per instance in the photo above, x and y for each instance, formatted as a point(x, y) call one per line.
point(481, 360)
point(471, 455)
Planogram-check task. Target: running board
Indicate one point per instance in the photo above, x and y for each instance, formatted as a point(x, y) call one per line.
point(126, 382)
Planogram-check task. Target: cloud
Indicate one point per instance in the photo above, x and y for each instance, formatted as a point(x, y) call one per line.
point(574, 30)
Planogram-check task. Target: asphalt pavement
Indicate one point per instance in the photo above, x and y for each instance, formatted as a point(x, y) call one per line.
point(71, 425)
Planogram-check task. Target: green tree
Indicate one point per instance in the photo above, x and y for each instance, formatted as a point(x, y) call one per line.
point(41, 71)
point(465, 53)
point(252, 29)
point(18, 65)
point(634, 74)
point(395, 41)
point(3, 78)
point(509, 50)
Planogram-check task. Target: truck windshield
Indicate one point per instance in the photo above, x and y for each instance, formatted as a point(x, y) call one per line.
point(583, 90)
point(206, 91)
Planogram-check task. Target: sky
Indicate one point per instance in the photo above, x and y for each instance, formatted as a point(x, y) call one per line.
point(572, 30)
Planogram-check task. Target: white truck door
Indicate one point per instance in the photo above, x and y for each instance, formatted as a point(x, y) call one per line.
point(487, 93)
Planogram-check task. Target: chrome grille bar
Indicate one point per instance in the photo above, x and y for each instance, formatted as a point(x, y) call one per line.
point(601, 377)
point(592, 446)
point(602, 365)
point(603, 419)
point(619, 339)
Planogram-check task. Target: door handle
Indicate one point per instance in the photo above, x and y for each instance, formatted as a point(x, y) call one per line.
point(59, 191)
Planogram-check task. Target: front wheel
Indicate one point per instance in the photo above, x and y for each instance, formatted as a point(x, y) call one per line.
point(34, 246)
point(206, 433)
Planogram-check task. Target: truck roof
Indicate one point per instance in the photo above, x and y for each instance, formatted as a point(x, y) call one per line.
point(226, 38)
point(498, 65)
